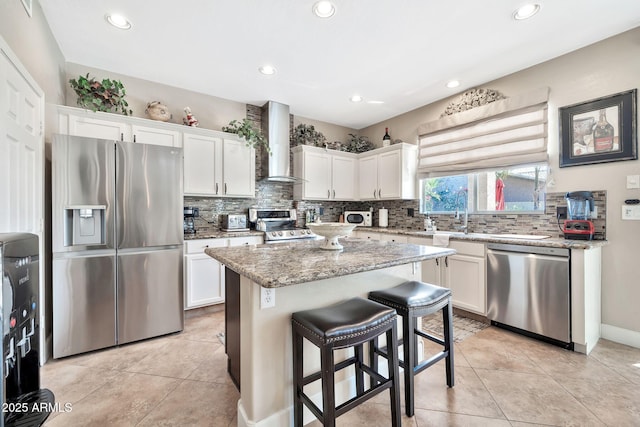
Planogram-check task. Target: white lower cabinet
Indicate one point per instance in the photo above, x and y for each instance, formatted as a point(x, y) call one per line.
point(203, 275)
point(464, 273)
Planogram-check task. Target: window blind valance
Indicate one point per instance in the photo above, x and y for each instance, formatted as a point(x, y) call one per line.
point(502, 134)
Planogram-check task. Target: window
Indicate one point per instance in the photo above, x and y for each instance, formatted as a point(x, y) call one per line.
point(518, 189)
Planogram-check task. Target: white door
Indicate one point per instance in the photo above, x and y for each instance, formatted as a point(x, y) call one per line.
point(343, 178)
point(317, 172)
point(22, 160)
point(92, 127)
point(239, 171)
point(368, 178)
point(390, 175)
point(155, 136)
point(202, 165)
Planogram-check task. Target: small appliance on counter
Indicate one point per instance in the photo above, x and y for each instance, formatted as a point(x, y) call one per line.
point(360, 218)
point(233, 222)
point(577, 226)
point(188, 222)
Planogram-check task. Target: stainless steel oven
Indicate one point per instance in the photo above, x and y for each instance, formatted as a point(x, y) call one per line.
point(279, 225)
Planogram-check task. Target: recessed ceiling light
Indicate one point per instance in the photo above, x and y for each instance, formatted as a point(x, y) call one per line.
point(324, 9)
point(526, 11)
point(453, 83)
point(267, 70)
point(356, 98)
point(118, 21)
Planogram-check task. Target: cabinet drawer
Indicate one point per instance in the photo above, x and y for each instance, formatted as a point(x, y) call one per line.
point(249, 240)
point(468, 248)
point(199, 245)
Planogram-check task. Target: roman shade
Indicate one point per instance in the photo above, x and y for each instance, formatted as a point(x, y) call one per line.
point(503, 134)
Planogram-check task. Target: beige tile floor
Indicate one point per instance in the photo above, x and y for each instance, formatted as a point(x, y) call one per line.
point(502, 379)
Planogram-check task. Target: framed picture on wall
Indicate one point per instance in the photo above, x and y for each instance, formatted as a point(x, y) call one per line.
point(598, 131)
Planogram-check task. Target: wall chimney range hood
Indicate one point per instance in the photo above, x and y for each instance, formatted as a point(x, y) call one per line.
point(275, 126)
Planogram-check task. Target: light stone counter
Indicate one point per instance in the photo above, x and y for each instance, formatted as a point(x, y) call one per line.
point(285, 264)
point(553, 242)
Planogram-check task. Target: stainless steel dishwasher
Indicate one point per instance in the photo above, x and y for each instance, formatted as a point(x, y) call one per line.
point(529, 289)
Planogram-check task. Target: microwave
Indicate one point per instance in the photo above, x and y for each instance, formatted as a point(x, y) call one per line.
point(363, 218)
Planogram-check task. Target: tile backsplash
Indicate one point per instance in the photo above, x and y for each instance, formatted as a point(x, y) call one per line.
point(280, 195)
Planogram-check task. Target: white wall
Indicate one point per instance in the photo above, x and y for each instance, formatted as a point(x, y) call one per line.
point(602, 69)
point(330, 131)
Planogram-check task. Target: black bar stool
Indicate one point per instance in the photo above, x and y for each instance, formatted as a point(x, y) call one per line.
point(347, 324)
point(413, 300)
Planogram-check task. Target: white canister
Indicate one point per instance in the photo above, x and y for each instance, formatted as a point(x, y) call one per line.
point(383, 217)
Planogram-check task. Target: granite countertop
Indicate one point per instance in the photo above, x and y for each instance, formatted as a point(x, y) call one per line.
point(552, 242)
point(219, 234)
point(285, 264)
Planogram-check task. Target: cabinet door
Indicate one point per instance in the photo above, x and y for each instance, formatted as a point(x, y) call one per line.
point(21, 152)
point(368, 178)
point(238, 169)
point(155, 136)
point(317, 172)
point(204, 281)
point(202, 165)
point(343, 178)
point(465, 275)
point(92, 127)
point(390, 175)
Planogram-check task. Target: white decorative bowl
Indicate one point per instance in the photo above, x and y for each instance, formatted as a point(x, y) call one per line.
point(331, 231)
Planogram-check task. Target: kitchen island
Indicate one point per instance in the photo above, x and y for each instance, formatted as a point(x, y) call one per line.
point(266, 283)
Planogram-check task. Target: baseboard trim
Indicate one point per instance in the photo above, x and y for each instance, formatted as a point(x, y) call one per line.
point(620, 335)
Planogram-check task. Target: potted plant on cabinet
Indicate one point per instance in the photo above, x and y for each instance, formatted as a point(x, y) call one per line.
point(308, 135)
point(245, 129)
point(107, 95)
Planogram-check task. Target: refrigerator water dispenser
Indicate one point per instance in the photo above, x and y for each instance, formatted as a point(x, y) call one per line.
point(84, 225)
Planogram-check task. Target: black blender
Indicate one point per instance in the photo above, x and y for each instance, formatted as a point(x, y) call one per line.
point(578, 226)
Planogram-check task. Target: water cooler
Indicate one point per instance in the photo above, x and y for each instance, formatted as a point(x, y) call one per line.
point(23, 402)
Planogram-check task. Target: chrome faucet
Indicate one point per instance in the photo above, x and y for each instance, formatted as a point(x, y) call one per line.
point(465, 226)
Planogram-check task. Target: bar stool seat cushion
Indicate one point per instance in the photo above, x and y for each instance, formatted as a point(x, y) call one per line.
point(412, 294)
point(344, 320)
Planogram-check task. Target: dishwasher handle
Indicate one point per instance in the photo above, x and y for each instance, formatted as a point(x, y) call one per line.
point(537, 250)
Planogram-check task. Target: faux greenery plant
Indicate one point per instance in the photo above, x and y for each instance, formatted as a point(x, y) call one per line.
point(308, 135)
point(358, 144)
point(107, 95)
point(251, 135)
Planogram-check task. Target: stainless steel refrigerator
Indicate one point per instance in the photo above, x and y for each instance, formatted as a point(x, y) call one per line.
point(117, 243)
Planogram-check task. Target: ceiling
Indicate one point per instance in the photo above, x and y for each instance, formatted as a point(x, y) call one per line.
point(399, 52)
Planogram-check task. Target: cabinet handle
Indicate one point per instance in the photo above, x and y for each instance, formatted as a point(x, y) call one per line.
point(446, 261)
point(379, 195)
point(438, 262)
point(328, 194)
point(225, 188)
point(374, 193)
point(134, 138)
point(216, 188)
point(334, 194)
point(121, 136)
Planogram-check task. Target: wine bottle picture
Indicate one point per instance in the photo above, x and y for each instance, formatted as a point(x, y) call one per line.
point(603, 134)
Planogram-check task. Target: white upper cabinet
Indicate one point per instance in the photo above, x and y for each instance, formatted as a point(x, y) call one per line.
point(216, 163)
point(326, 174)
point(80, 122)
point(388, 173)
point(220, 165)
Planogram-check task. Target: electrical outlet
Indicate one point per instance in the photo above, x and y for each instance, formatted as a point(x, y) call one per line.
point(409, 211)
point(267, 297)
point(561, 212)
point(196, 212)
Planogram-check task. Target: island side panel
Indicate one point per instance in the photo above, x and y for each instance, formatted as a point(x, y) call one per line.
point(266, 358)
point(232, 325)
